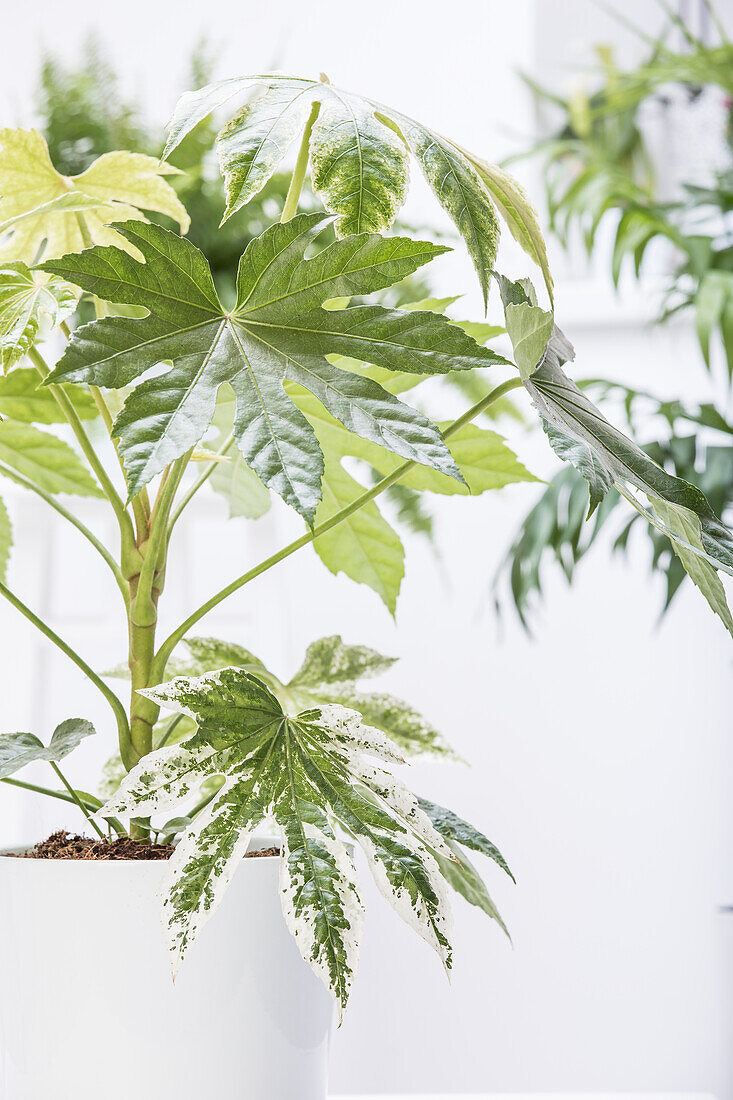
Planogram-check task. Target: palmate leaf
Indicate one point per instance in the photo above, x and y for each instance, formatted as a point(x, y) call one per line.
point(19, 749)
point(310, 774)
point(330, 673)
point(277, 332)
point(36, 212)
point(359, 158)
point(27, 300)
point(605, 456)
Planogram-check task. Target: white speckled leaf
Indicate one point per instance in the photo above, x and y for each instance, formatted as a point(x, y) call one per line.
point(27, 299)
point(278, 332)
point(310, 773)
point(359, 160)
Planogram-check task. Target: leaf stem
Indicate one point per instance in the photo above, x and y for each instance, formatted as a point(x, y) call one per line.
point(200, 480)
point(75, 798)
point(86, 799)
point(21, 479)
point(116, 705)
point(163, 654)
point(67, 407)
point(292, 198)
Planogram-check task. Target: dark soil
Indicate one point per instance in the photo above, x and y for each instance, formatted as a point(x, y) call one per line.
point(63, 845)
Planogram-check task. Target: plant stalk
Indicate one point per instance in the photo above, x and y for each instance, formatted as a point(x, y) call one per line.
point(21, 479)
point(290, 209)
point(75, 798)
point(117, 707)
point(166, 649)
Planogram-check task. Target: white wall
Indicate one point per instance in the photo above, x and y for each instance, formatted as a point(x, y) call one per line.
point(600, 748)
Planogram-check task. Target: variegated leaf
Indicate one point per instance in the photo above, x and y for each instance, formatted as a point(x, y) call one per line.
point(310, 773)
point(359, 158)
point(19, 749)
point(27, 300)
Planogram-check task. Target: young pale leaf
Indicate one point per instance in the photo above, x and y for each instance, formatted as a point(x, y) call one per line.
point(27, 298)
point(277, 332)
point(605, 456)
point(45, 459)
point(466, 881)
point(19, 749)
point(23, 398)
point(115, 188)
point(307, 773)
point(6, 540)
point(363, 546)
point(358, 151)
point(686, 526)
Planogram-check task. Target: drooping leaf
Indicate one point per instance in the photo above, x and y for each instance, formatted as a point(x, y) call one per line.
point(454, 828)
point(23, 398)
point(604, 454)
point(45, 459)
point(358, 151)
point(686, 525)
point(308, 773)
point(38, 216)
point(19, 749)
point(276, 332)
point(27, 299)
point(466, 881)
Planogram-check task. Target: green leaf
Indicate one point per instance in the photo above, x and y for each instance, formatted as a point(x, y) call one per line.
point(459, 190)
point(416, 737)
point(454, 828)
point(19, 749)
point(46, 460)
point(308, 773)
point(686, 525)
point(363, 546)
point(331, 661)
point(38, 216)
point(516, 210)
point(22, 398)
point(276, 332)
point(358, 151)
point(27, 299)
point(466, 881)
point(6, 541)
point(567, 410)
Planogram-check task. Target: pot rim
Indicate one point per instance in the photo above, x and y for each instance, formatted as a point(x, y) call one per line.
point(258, 842)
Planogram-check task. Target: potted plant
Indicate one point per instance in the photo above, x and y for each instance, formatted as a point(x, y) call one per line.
point(295, 374)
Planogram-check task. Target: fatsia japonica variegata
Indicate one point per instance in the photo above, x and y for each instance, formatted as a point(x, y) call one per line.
point(305, 384)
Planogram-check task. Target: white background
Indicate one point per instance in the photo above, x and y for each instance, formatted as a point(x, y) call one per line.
point(600, 748)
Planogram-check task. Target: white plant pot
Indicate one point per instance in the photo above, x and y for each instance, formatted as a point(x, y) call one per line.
point(88, 1007)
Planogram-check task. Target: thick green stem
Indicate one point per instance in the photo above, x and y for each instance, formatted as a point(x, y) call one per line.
point(21, 479)
point(200, 480)
point(290, 209)
point(118, 709)
point(75, 798)
point(163, 654)
point(145, 590)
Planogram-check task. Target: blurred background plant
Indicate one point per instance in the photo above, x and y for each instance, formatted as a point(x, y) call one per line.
point(669, 213)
